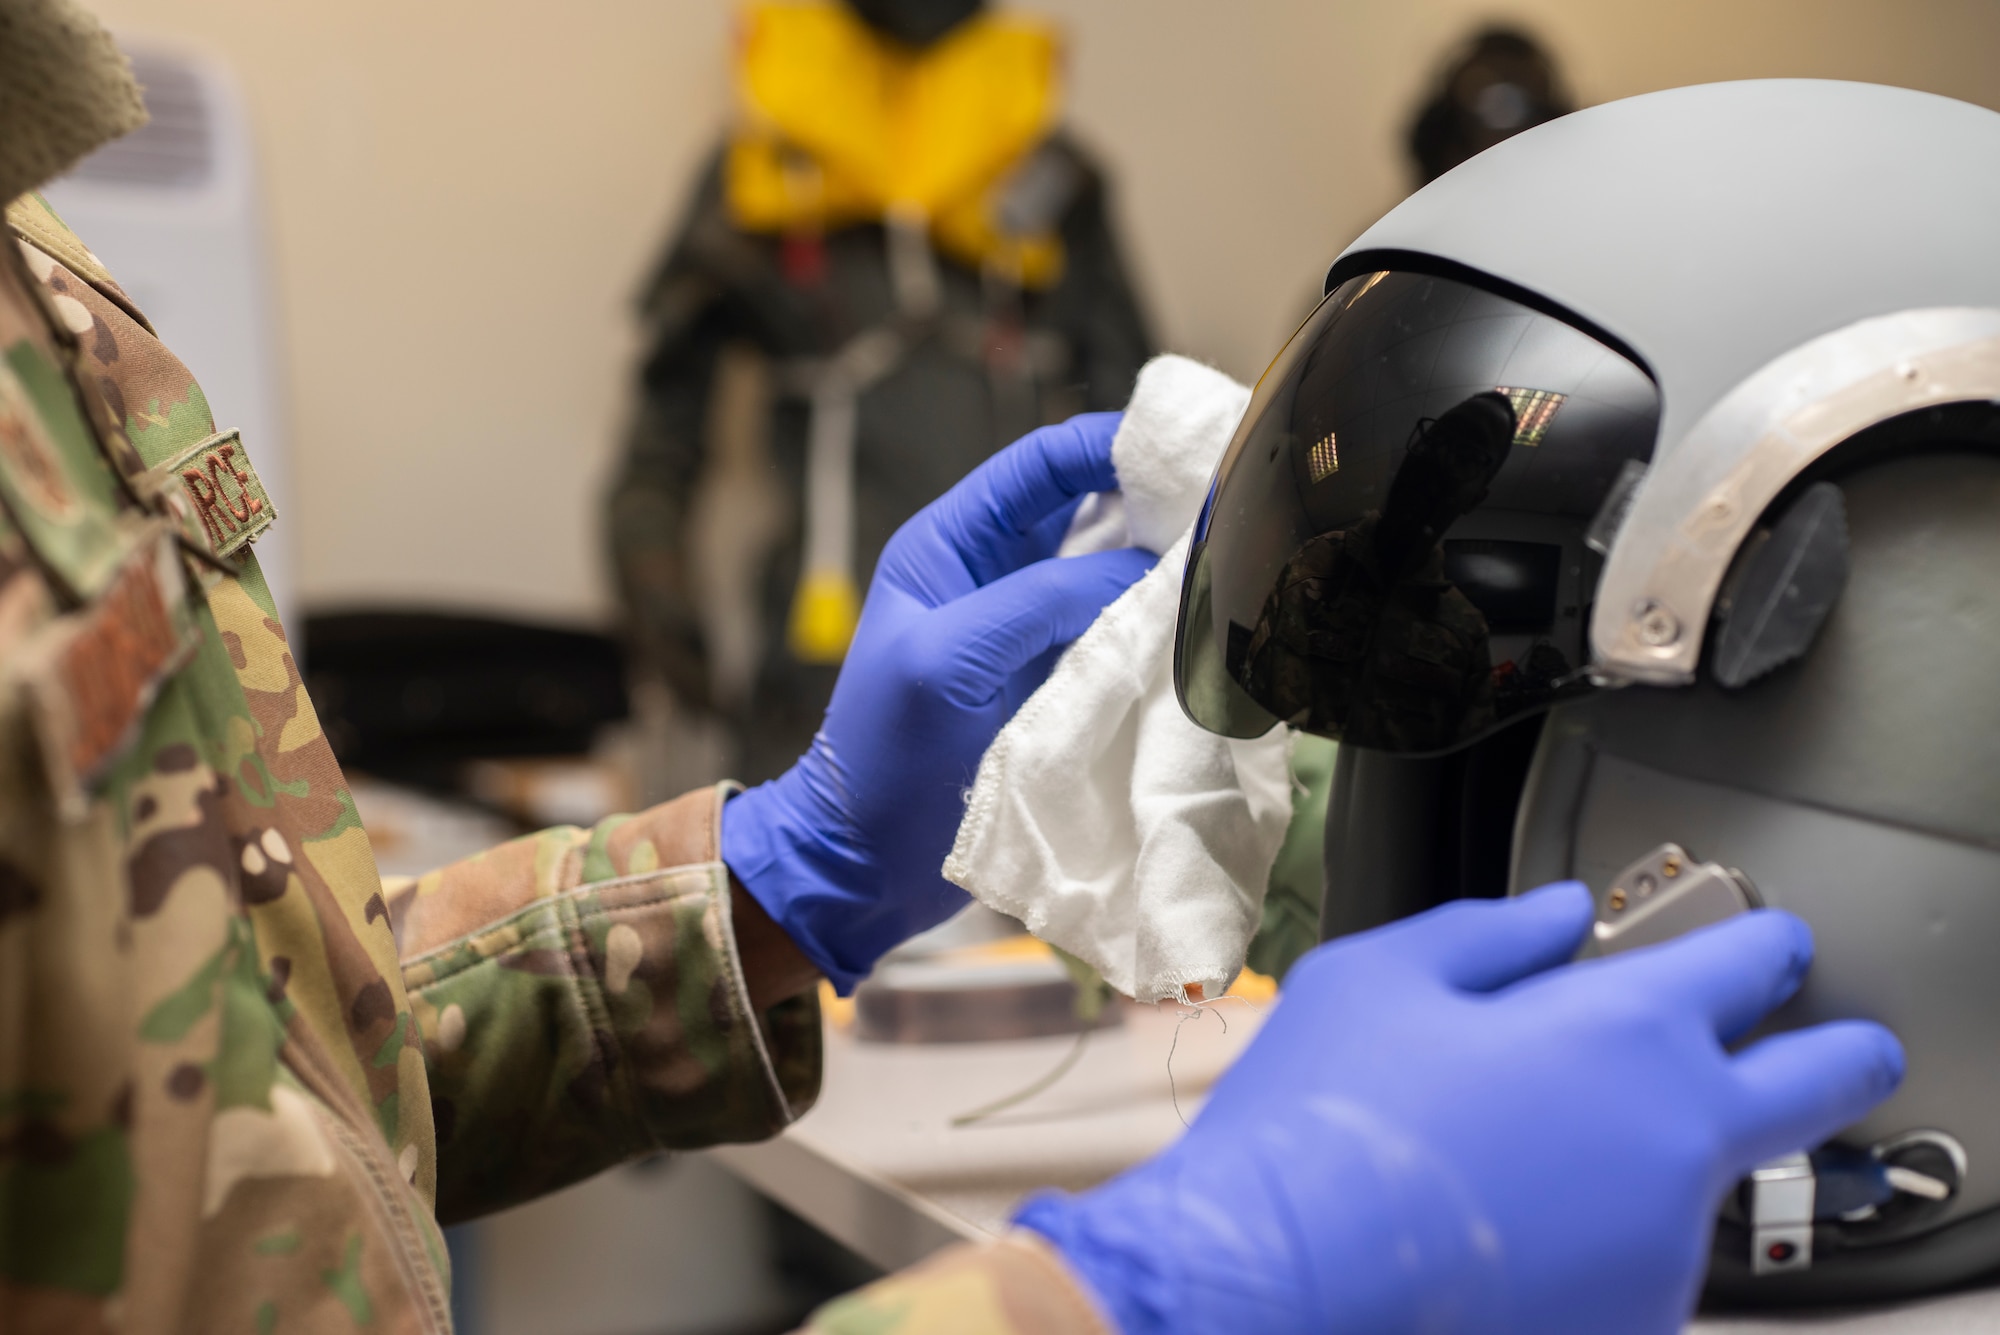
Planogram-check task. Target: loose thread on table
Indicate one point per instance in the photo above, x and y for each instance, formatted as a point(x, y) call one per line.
point(1191, 1010)
point(1021, 1096)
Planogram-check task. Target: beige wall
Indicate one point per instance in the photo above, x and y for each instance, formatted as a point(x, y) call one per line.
point(463, 196)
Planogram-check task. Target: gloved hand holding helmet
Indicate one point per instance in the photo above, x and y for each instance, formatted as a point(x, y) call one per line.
point(1422, 1087)
point(1442, 1130)
point(963, 619)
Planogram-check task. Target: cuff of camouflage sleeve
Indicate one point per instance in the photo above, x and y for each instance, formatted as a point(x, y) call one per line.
point(1015, 1286)
point(605, 1017)
point(781, 1043)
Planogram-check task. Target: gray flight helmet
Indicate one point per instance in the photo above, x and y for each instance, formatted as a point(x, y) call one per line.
point(1788, 607)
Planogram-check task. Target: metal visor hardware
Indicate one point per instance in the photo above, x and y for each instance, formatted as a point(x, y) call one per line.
point(1862, 1194)
point(1395, 549)
point(1781, 1216)
point(1666, 894)
point(1703, 500)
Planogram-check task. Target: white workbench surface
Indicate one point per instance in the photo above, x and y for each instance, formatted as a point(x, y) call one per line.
point(878, 1165)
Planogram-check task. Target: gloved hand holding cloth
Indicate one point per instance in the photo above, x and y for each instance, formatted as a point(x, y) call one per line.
point(963, 620)
point(1103, 818)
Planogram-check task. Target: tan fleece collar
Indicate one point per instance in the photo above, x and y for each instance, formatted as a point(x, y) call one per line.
point(65, 88)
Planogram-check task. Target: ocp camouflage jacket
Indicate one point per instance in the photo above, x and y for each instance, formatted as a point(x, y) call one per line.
point(241, 1077)
point(237, 1071)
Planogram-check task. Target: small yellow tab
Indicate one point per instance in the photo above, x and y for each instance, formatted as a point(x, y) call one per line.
point(825, 610)
point(838, 1010)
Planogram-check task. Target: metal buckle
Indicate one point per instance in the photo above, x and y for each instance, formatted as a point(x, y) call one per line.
point(1782, 1195)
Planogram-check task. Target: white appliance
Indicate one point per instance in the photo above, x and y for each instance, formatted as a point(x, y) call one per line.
point(174, 211)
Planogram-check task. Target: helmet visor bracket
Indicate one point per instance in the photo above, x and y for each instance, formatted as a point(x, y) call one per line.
point(1709, 492)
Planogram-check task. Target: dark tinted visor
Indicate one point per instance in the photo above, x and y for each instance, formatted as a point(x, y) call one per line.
point(1397, 551)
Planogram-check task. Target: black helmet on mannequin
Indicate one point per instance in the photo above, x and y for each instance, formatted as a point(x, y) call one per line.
point(1500, 84)
point(915, 22)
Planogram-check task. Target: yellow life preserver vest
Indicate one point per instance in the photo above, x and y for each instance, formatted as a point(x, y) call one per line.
point(840, 125)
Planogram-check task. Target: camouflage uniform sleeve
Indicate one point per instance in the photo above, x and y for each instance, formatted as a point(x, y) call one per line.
point(582, 1002)
point(1016, 1286)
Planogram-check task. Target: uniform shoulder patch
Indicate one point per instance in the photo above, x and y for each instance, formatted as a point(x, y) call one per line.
point(90, 677)
point(218, 485)
point(54, 481)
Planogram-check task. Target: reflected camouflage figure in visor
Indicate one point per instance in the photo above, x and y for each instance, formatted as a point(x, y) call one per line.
point(1396, 550)
point(1365, 634)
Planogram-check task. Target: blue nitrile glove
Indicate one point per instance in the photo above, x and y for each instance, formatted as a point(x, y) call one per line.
point(1444, 1129)
point(963, 621)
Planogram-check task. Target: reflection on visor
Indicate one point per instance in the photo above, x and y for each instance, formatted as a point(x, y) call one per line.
point(1325, 458)
point(1393, 551)
point(1513, 584)
point(1534, 410)
point(1365, 637)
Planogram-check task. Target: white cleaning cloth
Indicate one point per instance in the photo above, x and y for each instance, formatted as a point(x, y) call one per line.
point(1102, 817)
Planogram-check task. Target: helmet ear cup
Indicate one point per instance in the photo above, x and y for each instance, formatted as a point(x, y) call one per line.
point(1785, 581)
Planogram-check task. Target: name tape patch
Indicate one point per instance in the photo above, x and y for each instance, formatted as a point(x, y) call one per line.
point(220, 490)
